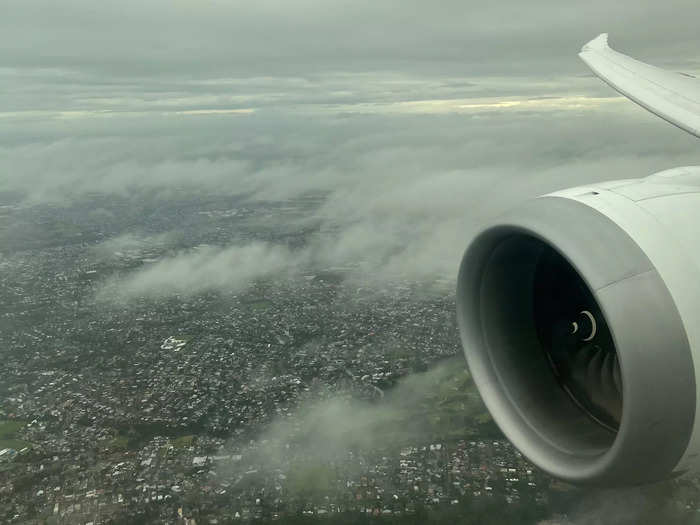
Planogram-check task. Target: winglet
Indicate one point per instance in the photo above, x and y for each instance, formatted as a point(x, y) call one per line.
point(672, 96)
point(597, 44)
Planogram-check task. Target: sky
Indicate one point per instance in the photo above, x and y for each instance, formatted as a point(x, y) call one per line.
point(417, 121)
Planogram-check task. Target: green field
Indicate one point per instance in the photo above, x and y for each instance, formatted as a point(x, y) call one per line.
point(183, 441)
point(8, 435)
point(258, 305)
point(119, 443)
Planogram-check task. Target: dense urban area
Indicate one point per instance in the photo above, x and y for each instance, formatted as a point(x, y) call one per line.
point(315, 396)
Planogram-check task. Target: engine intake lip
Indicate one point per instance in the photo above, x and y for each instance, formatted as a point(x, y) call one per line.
point(494, 309)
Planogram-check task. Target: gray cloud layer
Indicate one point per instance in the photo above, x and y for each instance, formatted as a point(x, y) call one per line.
point(77, 56)
point(403, 193)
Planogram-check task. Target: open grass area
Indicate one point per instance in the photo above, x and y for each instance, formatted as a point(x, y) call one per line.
point(119, 443)
point(8, 435)
point(310, 479)
point(258, 305)
point(183, 442)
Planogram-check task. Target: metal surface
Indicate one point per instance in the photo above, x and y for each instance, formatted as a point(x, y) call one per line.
point(672, 96)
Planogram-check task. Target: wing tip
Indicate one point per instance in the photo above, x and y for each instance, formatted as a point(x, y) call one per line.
point(599, 43)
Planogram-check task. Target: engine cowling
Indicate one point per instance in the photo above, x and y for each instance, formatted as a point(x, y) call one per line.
point(579, 314)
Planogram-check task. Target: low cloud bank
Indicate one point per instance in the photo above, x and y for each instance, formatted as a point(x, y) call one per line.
point(412, 413)
point(201, 270)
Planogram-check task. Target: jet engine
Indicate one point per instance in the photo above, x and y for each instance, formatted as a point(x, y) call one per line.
point(579, 314)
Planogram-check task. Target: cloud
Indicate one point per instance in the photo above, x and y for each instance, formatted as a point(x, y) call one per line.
point(131, 244)
point(397, 195)
point(165, 38)
point(649, 504)
point(201, 270)
point(413, 123)
point(328, 429)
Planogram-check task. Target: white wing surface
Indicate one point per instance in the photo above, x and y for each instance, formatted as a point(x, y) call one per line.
point(674, 97)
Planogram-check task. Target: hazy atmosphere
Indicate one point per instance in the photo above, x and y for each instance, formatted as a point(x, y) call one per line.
point(190, 168)
point(413, 121)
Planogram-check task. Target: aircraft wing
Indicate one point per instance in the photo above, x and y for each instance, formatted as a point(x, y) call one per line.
point(674, 97)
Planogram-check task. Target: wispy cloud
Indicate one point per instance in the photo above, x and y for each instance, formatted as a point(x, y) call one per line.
point(201, 270)
point(328, 429)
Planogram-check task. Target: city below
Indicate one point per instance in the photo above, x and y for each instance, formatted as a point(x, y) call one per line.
point(321, 395)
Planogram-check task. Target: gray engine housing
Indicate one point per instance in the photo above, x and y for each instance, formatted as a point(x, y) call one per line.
point(636, 246)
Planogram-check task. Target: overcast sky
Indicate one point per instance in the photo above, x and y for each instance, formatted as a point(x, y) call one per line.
point(228, 38)
point(82, 55)
point(416, 119)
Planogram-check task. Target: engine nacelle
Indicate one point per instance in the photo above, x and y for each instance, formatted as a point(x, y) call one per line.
point(579, 314)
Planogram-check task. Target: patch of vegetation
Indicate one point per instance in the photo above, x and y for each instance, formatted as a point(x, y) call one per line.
point(137, 434)
point(183, 441)
point(119, 443)
point(257, 304)
point(310, 479)
point(8, 435)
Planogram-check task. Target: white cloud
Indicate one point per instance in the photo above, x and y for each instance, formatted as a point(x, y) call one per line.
point(201, 270)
